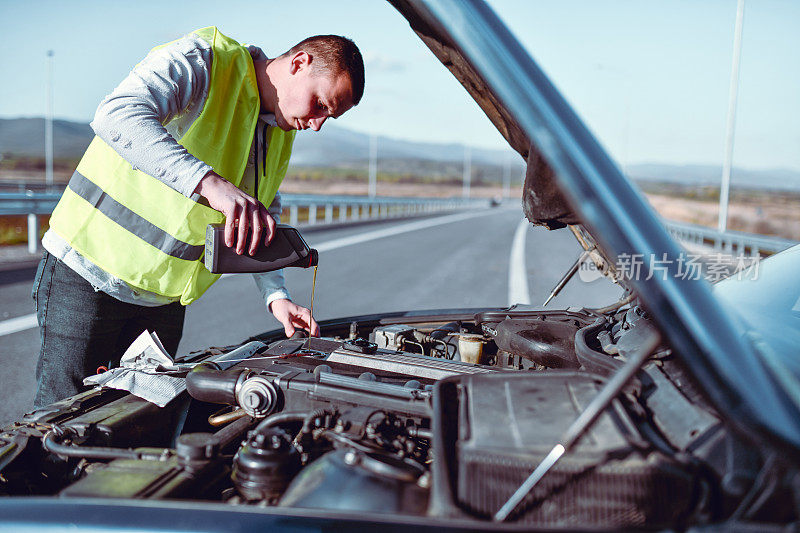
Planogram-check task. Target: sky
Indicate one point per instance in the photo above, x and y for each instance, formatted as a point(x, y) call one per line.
point(649, 78)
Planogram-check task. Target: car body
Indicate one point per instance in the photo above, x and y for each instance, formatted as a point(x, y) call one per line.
point(676, 408)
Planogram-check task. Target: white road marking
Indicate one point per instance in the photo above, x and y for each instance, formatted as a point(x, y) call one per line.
point(402, 228)
point(22, 323)
point(517, 271)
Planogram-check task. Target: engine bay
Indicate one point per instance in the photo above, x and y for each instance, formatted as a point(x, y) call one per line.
point(427, 415)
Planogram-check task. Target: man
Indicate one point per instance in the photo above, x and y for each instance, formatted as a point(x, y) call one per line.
point(199, 132)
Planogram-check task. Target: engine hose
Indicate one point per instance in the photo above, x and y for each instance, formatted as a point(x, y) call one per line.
point(281, 418)
point(207, 383)
point(447, 329)
point(592, 360)
point(51, 443)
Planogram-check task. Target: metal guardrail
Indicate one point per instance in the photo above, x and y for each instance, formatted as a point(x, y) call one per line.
point(316, 210)
point(731, 242)
point(29, 202)
point(303, 210)
point(24, 186)
point(319, 209)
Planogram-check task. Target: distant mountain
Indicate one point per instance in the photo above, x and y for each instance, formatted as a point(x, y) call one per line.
point(340, 147)
point(25, 137)
point(336, 145)
point(778, 178)
point(331, 146)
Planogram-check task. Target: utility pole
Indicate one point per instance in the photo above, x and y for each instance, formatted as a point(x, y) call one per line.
point(48, 124)
point(373, 164)
point(467, 171)
point(724, 189)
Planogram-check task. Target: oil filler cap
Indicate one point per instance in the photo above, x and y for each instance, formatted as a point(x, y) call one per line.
point(257, 396)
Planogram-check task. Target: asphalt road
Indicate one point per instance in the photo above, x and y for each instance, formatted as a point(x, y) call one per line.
point(461, 260)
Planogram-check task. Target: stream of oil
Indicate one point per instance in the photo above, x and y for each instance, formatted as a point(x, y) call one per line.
point(313, 289)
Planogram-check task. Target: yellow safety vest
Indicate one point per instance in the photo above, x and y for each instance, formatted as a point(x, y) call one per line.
point(140, 230)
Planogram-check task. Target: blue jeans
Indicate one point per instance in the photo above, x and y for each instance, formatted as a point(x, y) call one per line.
point(83, 329)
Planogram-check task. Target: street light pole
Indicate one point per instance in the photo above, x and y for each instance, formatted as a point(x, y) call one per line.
point(724, 190)
point(48, 125)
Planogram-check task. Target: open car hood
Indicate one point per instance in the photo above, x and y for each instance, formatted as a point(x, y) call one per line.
point(571, 180)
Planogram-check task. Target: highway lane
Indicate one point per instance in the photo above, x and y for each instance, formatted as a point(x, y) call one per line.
point(463, 262)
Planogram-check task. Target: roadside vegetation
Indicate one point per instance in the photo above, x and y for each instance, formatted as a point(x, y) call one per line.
point(766, 212)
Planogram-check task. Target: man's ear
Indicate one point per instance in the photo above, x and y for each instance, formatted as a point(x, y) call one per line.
point(299, 61)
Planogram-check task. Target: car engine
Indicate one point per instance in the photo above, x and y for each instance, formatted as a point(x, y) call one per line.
point(423, 415)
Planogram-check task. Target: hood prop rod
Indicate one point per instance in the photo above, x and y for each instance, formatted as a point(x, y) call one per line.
point(565, 279)
point(584, 421)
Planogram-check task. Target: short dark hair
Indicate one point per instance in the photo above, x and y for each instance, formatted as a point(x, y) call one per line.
point(335, 54)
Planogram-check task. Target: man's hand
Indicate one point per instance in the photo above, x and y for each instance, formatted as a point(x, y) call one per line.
point(241, 210)
point(293, 316)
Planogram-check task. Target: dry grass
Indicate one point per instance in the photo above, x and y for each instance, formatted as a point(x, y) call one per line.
point(14, 229)
point(765, 214)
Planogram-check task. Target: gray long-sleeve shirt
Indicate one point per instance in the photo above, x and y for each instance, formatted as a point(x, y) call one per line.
point(156, 104)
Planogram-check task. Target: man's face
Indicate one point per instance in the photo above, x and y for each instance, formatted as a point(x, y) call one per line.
point(307, 98)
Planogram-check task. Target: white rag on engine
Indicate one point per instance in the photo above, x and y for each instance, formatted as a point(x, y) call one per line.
point(146, 370)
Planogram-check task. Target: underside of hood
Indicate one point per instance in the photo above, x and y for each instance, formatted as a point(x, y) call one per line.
point(542, 201)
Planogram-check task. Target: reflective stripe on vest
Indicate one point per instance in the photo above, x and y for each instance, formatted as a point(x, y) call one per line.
point(155, 236)
point(142, 231)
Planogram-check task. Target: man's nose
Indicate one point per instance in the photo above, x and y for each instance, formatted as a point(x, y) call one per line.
point(316, 123)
